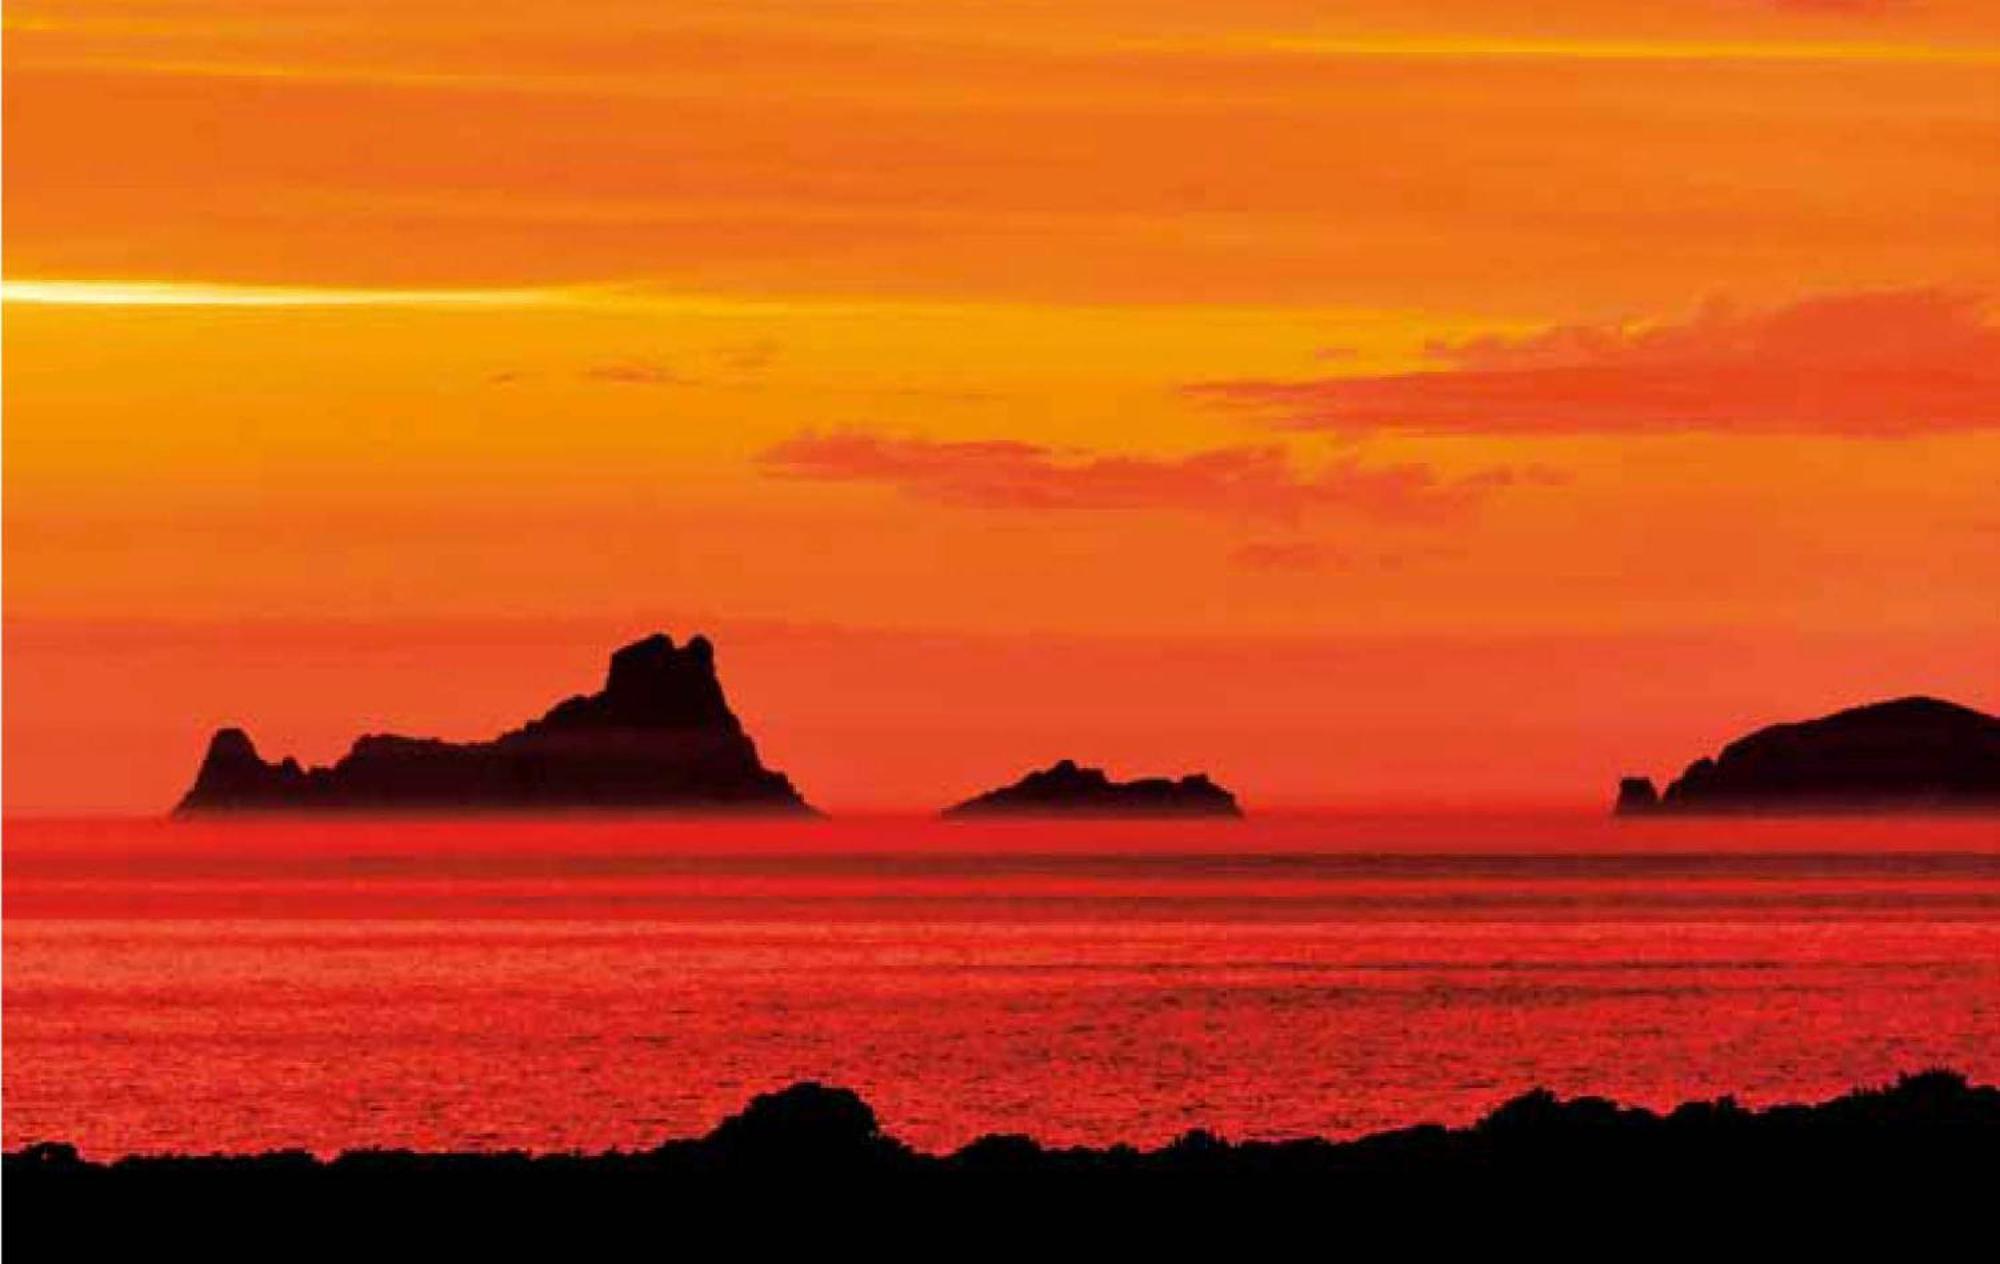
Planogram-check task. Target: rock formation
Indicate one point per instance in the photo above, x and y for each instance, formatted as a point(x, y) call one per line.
point(660, 735)
point(1637, 794)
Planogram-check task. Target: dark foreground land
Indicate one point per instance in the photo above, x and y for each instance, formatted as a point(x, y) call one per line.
point(811, 1160)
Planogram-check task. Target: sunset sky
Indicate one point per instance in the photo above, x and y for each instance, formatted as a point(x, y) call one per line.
point(1442, 401)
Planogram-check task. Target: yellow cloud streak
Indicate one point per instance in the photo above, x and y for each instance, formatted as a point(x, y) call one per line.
point(112, 293)
point(1478, 48)
point(1391, 48)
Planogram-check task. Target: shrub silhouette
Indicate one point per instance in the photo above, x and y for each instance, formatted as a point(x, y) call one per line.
point(1929, 1140)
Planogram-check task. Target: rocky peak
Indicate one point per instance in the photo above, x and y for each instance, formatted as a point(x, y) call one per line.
point(659, 735)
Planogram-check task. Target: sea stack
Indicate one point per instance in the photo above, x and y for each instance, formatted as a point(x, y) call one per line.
point(1906, 755)
point(658, 736)
point(1636, 796)
point(1065, 789)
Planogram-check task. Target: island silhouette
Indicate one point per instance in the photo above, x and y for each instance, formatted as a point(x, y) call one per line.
point(1907, 754)
point(1066, 789)
point(658, 736)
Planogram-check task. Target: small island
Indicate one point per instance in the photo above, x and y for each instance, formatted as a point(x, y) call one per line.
point(658, 736)
point(1065, 789)
point(1906, 755)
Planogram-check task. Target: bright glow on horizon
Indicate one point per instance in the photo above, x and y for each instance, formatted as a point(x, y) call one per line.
point(112, 293)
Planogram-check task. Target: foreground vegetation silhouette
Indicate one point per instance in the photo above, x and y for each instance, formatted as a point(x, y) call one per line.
point(1929, 1132)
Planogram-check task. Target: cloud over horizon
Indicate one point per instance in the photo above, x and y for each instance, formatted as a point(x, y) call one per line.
point(1244, 482)
point(637, 373)
point(1837, 6)
point(1880, 364)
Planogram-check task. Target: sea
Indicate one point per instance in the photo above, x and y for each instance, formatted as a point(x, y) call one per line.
point(592, 983)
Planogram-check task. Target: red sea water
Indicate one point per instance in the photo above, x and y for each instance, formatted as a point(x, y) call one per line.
point(597, 983)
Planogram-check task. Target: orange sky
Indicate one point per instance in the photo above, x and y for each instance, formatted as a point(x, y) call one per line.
point(1413, 401)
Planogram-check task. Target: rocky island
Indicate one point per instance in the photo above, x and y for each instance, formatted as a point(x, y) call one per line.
point(1910, 754)
point(1064, 789)
point(658, 736)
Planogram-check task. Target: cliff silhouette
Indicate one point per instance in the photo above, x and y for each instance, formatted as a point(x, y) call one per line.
point(1910, 754)
point(1542, 1160)
point(1064, 789)
point(659, 735)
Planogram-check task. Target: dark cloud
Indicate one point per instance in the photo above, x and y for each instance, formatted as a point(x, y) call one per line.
point(637, 373)
point(1288, 555)
point(1882, 364)
point(1240, 482)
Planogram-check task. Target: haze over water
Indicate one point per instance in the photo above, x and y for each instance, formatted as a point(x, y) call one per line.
point(596, 983)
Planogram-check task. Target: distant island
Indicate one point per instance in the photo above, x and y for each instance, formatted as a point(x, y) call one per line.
point(660, 735)
point(1065, 789)
point(1907, 755)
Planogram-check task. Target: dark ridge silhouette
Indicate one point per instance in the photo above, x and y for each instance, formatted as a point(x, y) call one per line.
point(1902, 1148)
point(1064, 789)
point(1912, 754)
point(660, 735)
